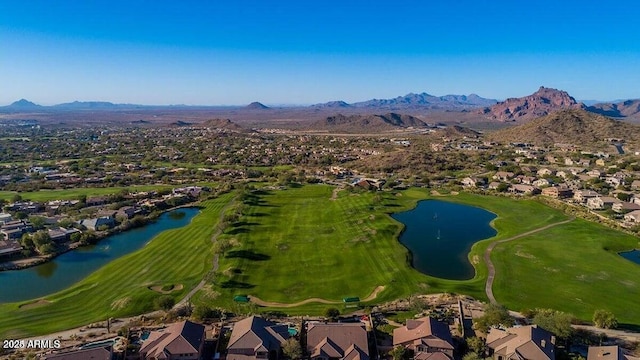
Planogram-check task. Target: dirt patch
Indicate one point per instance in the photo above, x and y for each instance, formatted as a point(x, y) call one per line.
point(34, 304)
point(165, 290)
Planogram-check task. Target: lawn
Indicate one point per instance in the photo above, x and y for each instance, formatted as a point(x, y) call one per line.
point(573, 267)
point(179, 257)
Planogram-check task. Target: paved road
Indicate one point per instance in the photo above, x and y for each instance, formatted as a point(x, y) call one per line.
point(488, 287)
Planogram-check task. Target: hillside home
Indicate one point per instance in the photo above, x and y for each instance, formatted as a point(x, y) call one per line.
point(633, 217)
point(594, 173)
point(5, 218)
point(624, 207)
point(256, 338)
point(582, 196)
point(635, 184)
point(426, 338)
point(612, 352)
point(472, 182)
point(542, 182)
point(558, 192)
point(339, 341)
point(183, 340)
point(522, 189)
point(545, 172)
point(601, 202)
point(600, 162)
point(503, 175)
point(521, 343)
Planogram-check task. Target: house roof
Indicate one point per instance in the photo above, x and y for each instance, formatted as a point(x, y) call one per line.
point(100, 353)
point(257, 334)
point(338, 340)
point(184, 337)
point(526, 342)
point(605, 353)
point(427, 331)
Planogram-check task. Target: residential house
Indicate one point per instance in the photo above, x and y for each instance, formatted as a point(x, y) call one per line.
point(542, 182)
point(13, 230)
point(521, 343)
point(472, 182)
point(582, 196)
point(60, 235)
point(635, 199)
point(601, 202)
point(96, 200)
point(98, 353)
point(5, 218)
point(568, 161)
point(528, 180)
point(98, 223)
point(9, 247)
point(339, 341)
point(493, 185)
point(183, 340)
point(127, 211)
point(633, 217)
point(503, 175)
point(559, 192)
point(28, 207)
point(613, 181)
point(600, 162)
point(426, 338)
point(594, 173)
point(635, 184)
point(256, 338)
point(524, 189)
point(624, 207)
point(545, 172)
point(612, 352)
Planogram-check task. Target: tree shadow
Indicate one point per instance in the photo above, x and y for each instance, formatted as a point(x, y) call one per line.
point(248, 254)
point(232, 284)
point(237, 231)
point(245, 223)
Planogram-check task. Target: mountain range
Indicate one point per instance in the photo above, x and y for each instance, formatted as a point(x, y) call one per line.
point(570, 126)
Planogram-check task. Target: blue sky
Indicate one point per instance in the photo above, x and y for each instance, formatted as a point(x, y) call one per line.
point(304, 52)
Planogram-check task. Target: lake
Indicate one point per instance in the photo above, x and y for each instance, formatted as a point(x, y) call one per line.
point(73, 266)
point(440, 234)
point(633, 255)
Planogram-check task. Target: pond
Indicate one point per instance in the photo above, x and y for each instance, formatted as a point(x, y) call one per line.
point(633, 255)
point(440, 234)
point(73, 266)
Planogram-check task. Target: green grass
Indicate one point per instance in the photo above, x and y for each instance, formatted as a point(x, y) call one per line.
point(573, 267)
point(178, 256)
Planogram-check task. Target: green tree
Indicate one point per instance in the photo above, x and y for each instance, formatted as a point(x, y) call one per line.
point(494, 315)
point(557, 322)
point(292, 349)
point(37, 222)
point(398, 353)
point(332, 313)
point(472, 356)
point(604, 319)
point(203, 312)
point(476, 345)
point(16, 198)
point(164, 302)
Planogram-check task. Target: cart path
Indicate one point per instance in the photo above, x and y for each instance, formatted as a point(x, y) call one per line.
point(488, 288)
point(260, 302)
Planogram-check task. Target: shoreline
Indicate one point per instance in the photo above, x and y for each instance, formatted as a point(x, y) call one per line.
point(25, 263)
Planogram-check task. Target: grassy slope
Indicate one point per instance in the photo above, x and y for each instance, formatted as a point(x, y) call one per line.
point(573, 267)
point(179, 256)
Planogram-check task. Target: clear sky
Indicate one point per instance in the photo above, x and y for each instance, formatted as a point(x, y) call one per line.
point(234, 52)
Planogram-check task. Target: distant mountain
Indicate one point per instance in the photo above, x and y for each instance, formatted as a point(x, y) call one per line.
point(331, 105)
point(180, 123)
point(81, 105)
point(222, 124)
point(573, 126)
point(542, 102)
point(427, 102)
point(628, 108)
point(367, 123)
point(256, 106)
point(23, 104)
